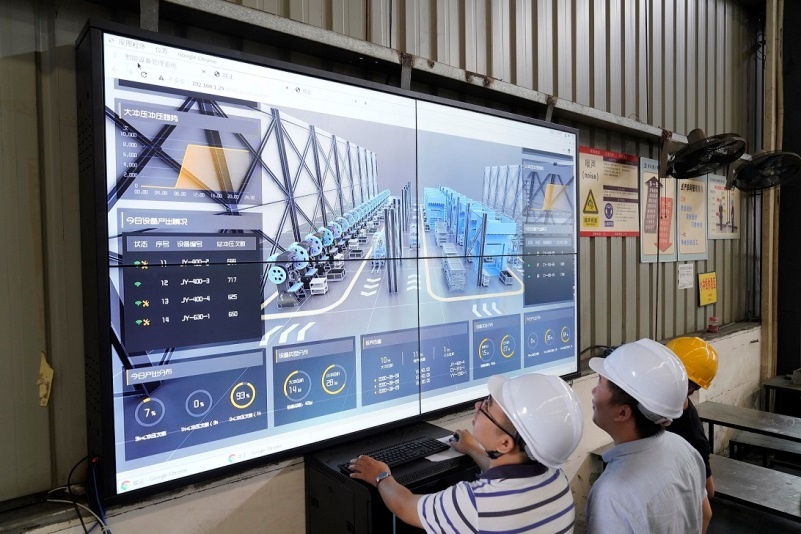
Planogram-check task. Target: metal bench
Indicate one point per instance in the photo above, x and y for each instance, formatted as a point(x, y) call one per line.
point(766, 445)
point(757, 487)
point(764, 489)
point(758, 422)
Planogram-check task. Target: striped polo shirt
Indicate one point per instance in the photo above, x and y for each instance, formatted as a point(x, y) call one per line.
point(510, 498)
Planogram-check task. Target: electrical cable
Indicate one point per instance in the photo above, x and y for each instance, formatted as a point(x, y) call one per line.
point(64, 488)
point(72, 495)
point(658, 248)
point(98, 501)
point(77, 504)
point(648, 110)
point(593, 347)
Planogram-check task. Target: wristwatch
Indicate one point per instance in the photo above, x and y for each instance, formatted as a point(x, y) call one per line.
point(381, 476)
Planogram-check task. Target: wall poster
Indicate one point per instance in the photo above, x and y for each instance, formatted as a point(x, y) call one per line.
point(723, 208)
point(692, 220)
point(657, 214)
point(608, 191)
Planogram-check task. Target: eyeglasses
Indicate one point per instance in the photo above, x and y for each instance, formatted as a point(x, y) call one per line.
point(481, 409)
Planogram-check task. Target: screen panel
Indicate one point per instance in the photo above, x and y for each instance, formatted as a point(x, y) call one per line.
point(292, 259)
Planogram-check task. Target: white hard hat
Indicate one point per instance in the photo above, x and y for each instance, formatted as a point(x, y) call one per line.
point(545, 411)
point(649, 372)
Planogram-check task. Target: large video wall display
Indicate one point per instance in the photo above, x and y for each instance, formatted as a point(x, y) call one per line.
point(293, 258)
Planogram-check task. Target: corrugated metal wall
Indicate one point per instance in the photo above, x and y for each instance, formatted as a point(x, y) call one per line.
point(594, 52)
point(676, 64)
point(671, 63)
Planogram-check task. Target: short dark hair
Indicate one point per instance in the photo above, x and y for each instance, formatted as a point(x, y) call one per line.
point(645, 427)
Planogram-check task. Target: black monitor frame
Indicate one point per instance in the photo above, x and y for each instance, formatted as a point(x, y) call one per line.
point(99, 338)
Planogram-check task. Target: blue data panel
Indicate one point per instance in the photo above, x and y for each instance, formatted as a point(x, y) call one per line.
point(193, 402)
point(189, 289)
point(396, 364)
point(549, 336)
point(390, 366)
point(313, 379)
point(446, 355)
point(496, 346)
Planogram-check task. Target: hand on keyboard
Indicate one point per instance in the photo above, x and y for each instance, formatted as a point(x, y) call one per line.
point(367, 469)
point(401, 453)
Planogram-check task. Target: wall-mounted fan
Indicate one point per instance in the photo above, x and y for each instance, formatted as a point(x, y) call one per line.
point(765, 170)
point(704, 155)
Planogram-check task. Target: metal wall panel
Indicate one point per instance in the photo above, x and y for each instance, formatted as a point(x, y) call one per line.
point(677, 64)
point(25, 446)
point(599, 46)
point(606, 53)
point(544, 55)
point(690, 60)
point(583, 70)
point(615, 58)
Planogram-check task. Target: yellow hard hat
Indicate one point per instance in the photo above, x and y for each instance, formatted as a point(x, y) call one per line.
point(699, 358)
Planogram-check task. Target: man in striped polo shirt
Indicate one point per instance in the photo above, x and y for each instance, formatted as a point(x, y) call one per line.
point(522, 432)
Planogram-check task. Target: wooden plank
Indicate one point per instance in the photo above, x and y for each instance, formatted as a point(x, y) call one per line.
point(764, 489)
point(766, 423)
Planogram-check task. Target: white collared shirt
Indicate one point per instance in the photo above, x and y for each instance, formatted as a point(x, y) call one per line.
point(653, 485)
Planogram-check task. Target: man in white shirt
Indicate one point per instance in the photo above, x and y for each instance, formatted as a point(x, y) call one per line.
point(653, 481)
point(522, 432)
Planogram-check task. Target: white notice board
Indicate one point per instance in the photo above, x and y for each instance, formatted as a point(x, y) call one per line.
point(692, 219)
point(723, 208)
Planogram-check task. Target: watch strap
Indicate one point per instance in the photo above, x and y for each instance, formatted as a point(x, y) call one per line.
point(381, 476)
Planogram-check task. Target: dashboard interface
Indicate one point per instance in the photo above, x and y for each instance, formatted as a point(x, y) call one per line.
point(292, 259)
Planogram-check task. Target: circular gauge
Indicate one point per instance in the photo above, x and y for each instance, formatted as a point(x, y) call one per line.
point(198, 403)
point(334, 379)
point(532, 340)
point(507, 346)
point(486, 350)
point(297, 386)
point(149, 412)
point(548, 337)
point(242, 395)
point(564, 335)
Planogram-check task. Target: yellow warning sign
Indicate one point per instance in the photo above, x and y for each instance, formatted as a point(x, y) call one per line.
point(589, 205)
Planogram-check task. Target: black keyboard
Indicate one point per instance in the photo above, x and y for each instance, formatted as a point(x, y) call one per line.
point(403, 452)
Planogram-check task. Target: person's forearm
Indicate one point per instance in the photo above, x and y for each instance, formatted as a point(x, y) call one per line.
point(710, 487)
point(400, 501)
point(706, 512)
